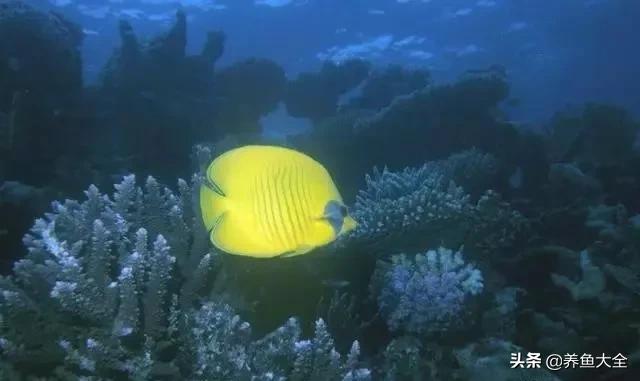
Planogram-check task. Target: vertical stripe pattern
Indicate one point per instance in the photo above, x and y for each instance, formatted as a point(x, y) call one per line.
point(281, 202)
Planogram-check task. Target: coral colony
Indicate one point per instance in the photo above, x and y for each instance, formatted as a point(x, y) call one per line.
point(482, 251)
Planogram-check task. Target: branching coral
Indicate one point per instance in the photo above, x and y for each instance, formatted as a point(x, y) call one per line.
point(110, 290)
point(427, 200)
point(394, 202)
point(108, 265)
point(402, 359)
point(427, 293)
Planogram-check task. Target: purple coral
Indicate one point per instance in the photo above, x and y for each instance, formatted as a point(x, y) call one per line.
point(426, 293)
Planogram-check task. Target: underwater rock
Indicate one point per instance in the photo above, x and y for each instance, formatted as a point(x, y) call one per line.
point(315, 95)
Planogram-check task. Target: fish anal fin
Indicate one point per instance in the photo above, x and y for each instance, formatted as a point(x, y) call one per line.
point(302, 249)
point(214, 227)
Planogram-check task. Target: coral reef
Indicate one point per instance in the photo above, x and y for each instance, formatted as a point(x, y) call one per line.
point(224, 350)
point(37, 91)
point(186, 99)
point(55, 72)
point(315, 95)
point(241, 106)
point(383, 86)
point(486, 361)
point(442, 120)
point(126, 285)
point(40, 86)
point(429, 123)
point(426, 293)
point(590, 286)
point(157, 84)
point(426, 204)
point(601, 135)
point(110, 288)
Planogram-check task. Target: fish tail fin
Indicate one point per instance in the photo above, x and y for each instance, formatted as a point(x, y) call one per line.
point(213, 204)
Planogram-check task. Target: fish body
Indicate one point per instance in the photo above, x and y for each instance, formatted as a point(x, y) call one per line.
point(268, 201)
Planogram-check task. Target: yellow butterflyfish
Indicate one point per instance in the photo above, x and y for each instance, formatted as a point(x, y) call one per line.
point(268, 201)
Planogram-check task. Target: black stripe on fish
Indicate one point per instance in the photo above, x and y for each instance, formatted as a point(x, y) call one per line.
point(209, 183)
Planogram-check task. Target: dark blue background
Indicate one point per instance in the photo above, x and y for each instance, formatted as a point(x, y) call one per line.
point(556, 53)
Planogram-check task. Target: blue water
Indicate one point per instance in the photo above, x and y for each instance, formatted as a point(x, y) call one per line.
point(556, 52)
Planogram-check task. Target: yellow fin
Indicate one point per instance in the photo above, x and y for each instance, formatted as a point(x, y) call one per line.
point(301, 250)
point(212, 204)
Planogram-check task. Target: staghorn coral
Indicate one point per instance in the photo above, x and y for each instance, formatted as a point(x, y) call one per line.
point(428, 200)
point(111, 289)
point(402, 359)
point(394, 202)
point(224, 350)
point(427, 293)
point(98, 280)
